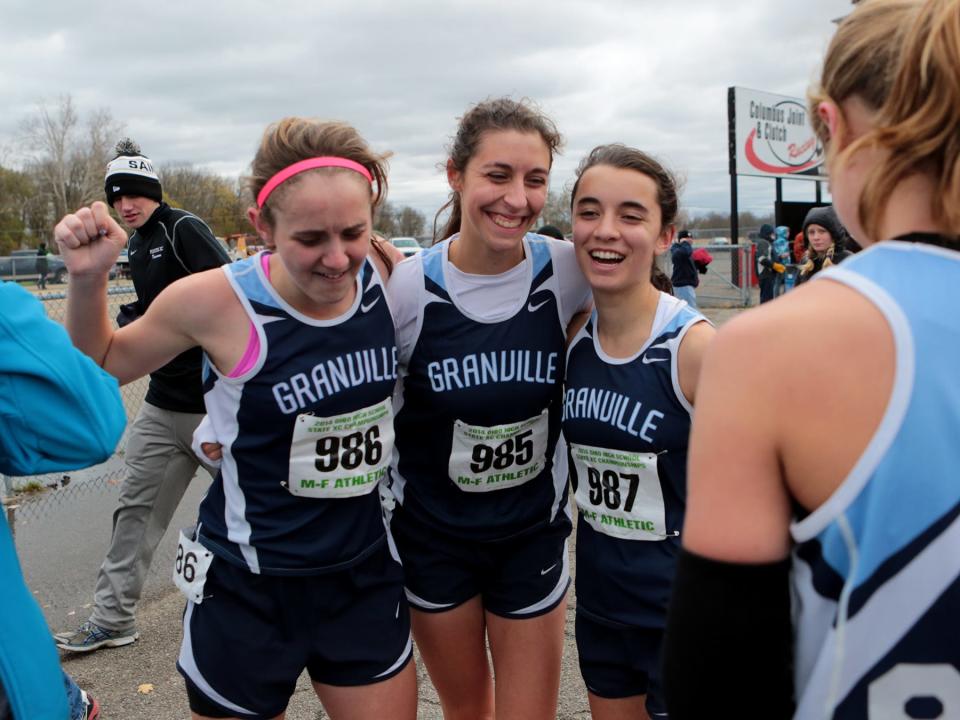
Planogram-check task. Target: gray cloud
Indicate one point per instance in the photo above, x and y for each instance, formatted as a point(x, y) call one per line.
point(198, 81)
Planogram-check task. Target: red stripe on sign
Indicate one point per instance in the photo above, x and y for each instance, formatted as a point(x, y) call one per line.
point(759, 164)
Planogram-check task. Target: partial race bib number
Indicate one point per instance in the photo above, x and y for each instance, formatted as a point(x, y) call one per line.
point(484, 459)
point(619, 492)
point(191, 566)
point(341, 456)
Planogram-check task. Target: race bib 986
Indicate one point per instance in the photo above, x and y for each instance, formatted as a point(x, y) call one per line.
point(341, 456)
point(619, 492)
point(484, 459)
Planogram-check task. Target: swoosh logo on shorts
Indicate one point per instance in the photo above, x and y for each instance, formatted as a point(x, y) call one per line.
point(533, 308)
point(544, 572)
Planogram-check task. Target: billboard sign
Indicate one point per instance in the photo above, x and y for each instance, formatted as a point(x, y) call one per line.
point(771, 136)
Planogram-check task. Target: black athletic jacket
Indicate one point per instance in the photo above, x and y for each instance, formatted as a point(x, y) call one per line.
point(170, 245)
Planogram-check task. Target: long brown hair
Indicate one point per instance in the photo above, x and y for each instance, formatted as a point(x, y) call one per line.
point(621, 156)
point(901, 57)
point(495, 114)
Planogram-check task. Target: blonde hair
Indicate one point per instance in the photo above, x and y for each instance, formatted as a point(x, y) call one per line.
point(293, 139)
point(902, 58)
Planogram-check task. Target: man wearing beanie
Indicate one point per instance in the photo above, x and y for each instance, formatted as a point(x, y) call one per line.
point(166, 244)
point(684, 277)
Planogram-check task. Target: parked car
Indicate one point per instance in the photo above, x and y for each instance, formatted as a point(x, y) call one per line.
point(407, 245)
point(22, 265)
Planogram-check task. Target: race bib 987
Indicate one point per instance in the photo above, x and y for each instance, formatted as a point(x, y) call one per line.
point(619, 492)
point(341, 456)
point(484, 459)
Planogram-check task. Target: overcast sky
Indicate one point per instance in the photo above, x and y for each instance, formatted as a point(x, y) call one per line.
point(198, 81)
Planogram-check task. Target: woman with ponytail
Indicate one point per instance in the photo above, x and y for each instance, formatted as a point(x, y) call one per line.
point(290, 561)
point(481, 516)
point(631, 384)
point(857, 484)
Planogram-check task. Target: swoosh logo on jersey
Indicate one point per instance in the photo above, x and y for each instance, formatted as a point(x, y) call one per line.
point(544, 572)
point(648, 360)
point(366, 308)
point(533, 308)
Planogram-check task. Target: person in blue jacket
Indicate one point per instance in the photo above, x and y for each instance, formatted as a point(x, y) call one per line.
point(58, 411)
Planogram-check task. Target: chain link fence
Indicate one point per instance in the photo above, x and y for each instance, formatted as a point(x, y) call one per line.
point(727, 282)
point(33, 498)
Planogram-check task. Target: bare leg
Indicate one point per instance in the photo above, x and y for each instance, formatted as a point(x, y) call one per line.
point(395, 698)
point(453, 648)
point(526, 661)
point(631, 708)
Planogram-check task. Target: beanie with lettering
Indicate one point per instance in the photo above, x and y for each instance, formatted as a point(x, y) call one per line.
point(131, 173)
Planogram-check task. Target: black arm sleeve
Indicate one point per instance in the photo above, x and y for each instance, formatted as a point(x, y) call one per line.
point(197, 246)
point(728, 642)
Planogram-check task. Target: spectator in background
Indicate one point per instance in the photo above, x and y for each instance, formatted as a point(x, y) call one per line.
point(685, 277)
point(551, 231)
point(43, 266)
point(799, 247)
point(166, 244)
point(781, 258)
point(764, 262)
point(825, 239)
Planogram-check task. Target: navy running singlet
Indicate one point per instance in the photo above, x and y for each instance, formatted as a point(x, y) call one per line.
point(306, 432)
point(877, 566)
point(627, 424)
point(479, 415)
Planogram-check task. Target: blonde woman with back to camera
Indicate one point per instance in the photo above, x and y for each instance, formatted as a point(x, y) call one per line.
point(851, 499)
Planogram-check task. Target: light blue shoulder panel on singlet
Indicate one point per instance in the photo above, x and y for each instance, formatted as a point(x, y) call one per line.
point(877, 567)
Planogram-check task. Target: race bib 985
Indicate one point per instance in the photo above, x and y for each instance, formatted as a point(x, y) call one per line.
point(341, 456)
point(619, 492)
point(484, 459)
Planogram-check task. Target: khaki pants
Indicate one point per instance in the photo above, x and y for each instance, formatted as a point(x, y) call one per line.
point(160, 465)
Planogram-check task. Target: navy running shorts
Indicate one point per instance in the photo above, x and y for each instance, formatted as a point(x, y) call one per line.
point(621, 662)
point(519, 577)
point(252, 636)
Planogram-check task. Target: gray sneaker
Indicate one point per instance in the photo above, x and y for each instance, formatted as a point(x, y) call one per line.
point(91, 636)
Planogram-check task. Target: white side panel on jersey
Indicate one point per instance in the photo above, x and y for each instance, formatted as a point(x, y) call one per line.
point(884, 620)
point(817, 521)
point(189, 665)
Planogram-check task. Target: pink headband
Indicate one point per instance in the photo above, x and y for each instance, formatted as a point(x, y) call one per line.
point(309, 164)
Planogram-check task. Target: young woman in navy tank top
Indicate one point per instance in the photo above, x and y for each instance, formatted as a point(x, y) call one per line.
point(481, 517)
point(830, 498)
point(290, 566)
point(631, 383)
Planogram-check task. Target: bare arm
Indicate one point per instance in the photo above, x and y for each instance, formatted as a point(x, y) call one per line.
point(693, 347)
point(90, 241)
point(738, 508)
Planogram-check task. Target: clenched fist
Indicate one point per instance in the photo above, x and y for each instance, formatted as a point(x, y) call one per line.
point(89, 240)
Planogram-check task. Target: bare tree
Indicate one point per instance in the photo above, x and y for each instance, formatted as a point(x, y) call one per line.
point(411, 222)
point(385, 221)
point(556, 211)
point(68, 156)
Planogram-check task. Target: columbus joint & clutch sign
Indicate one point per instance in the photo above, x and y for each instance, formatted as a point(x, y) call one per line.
point(771, 136)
